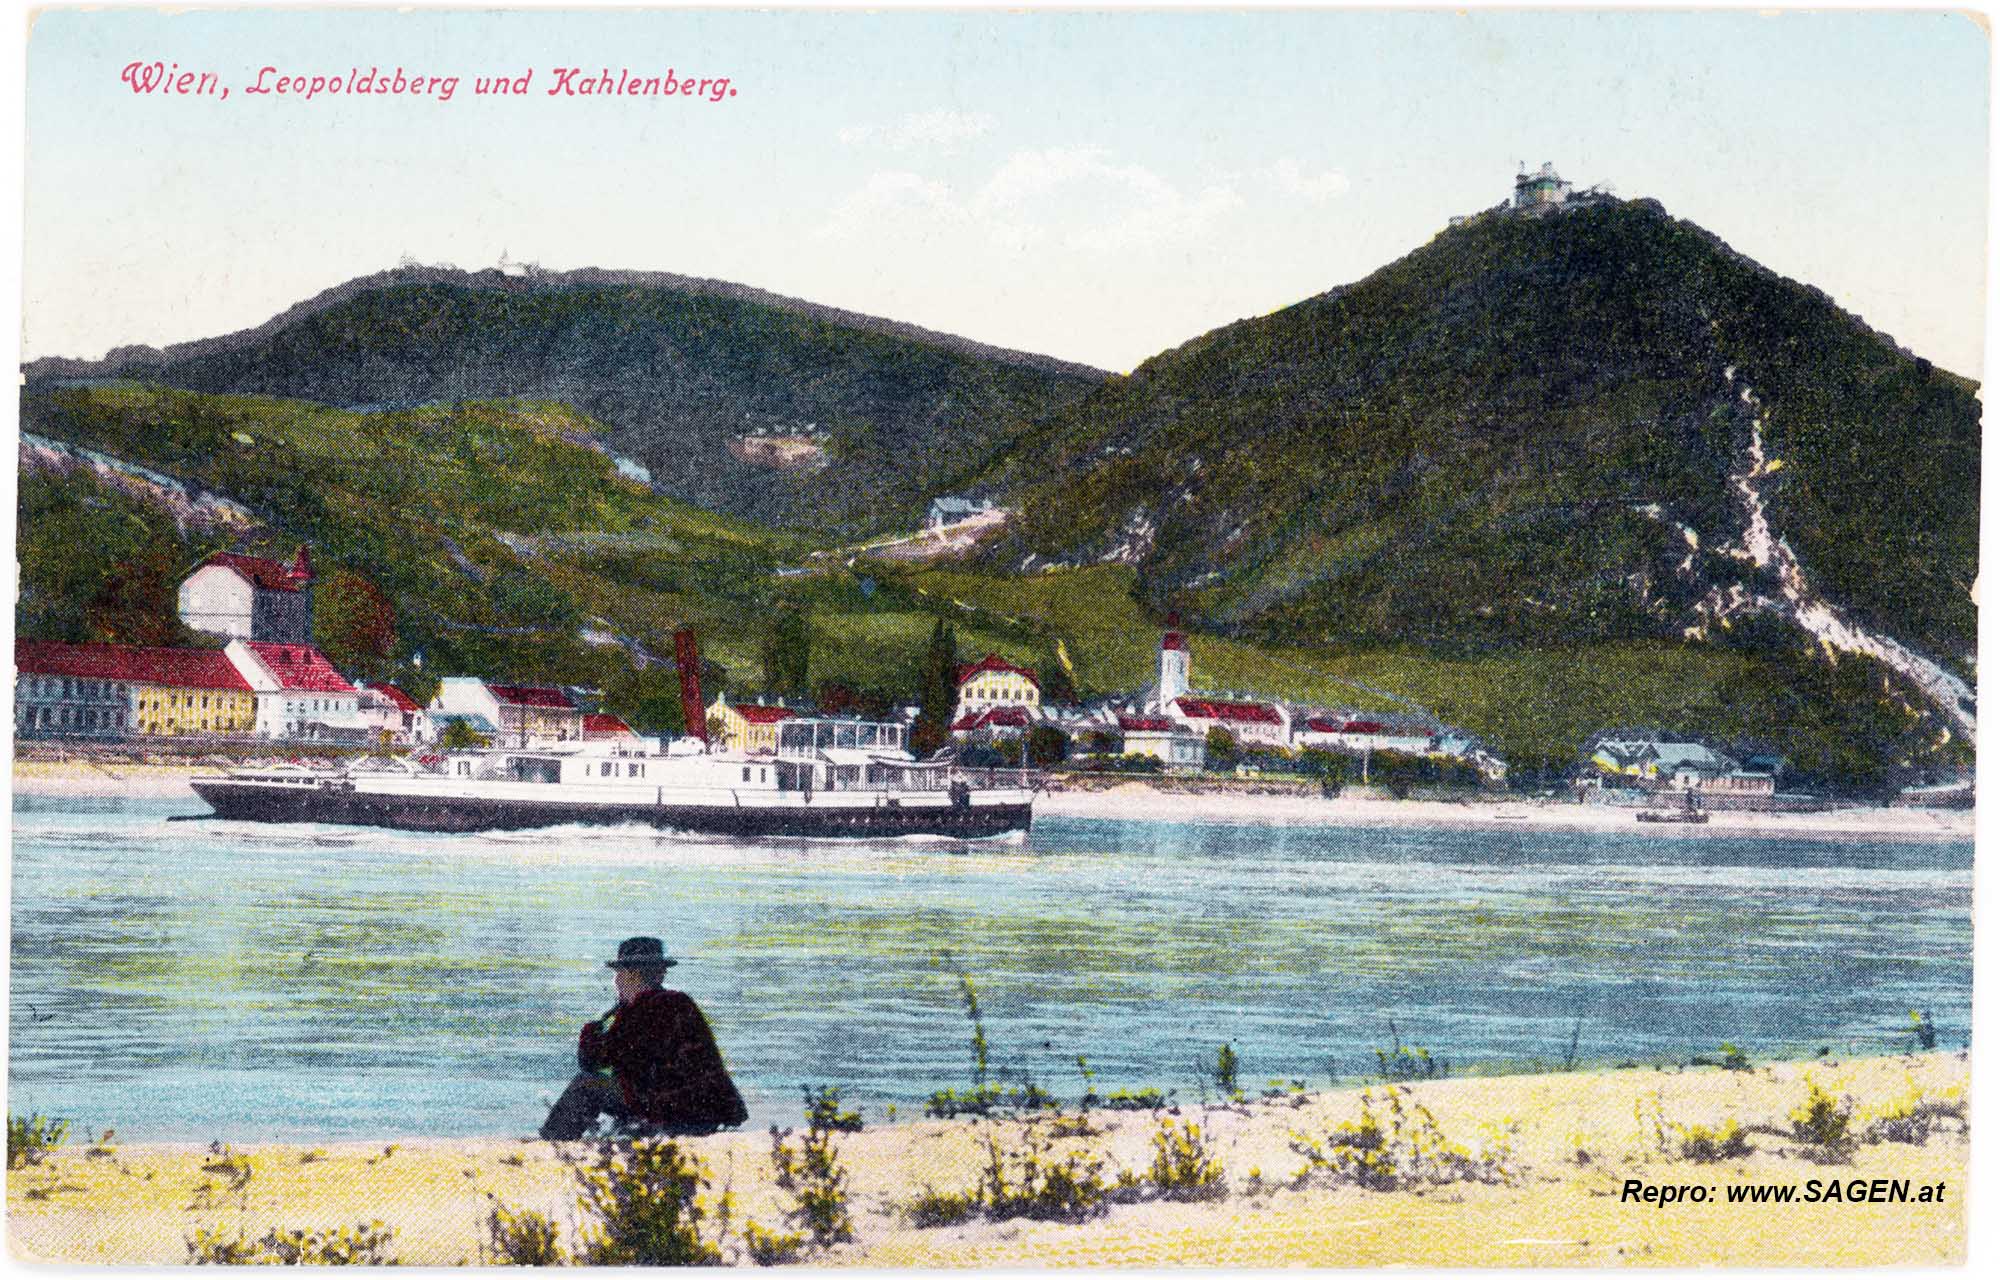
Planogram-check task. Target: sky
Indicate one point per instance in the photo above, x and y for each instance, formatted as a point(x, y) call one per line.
point(1095, 186)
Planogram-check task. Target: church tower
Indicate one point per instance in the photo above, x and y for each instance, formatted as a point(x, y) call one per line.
point(1173, 661)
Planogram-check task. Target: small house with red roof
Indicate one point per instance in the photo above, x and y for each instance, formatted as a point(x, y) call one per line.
point(243, 597)
point(300, 695)
point(604, 727)
point(391, 715)
point(993, 722)
point(749, 727)
point(1250, 723)
point(1356, 732)
point(995, 682)
point(115, 690)
point(522, 715)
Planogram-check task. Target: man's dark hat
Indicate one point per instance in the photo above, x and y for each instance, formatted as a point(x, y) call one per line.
point(641, 953)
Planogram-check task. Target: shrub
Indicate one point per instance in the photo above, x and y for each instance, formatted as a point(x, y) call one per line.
point(812, 1174)
point(1407, 1064)
point(1226, 1064)
point(31, 1138)
point(1732, 1058)
point(1136, 1100)
point(361, 1245)
point(646, 1200)
point(1183, 1168)
point(1705, 1146)
point(1032, 1180)
point(1398, 1148)
point(522, 1238)
point(1910, 1117)
point(1821, 1123)
point(1922, 1030)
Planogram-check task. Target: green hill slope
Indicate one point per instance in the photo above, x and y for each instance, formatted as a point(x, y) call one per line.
point(736, 400)
point(1529, 431)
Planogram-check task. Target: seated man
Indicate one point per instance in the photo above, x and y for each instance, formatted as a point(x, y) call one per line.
point(665, 1074)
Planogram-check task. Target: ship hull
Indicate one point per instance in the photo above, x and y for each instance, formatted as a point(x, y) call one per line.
point(346, 806)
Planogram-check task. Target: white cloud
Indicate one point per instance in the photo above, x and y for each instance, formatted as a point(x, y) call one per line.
point(1078, 197)
point(940, 131)
point(1316, 188)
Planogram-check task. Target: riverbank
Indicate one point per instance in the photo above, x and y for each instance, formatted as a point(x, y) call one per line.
point(1147, 801)
point(1140, 801)
point(1575, 1144)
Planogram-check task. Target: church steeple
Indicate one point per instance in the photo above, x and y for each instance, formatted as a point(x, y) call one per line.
point(1173, 661)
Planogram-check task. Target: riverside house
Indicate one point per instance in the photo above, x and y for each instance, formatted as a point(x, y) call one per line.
point(116, 691)
point(521, 715)
point(1164, 740)
point(747, 726)
point(1261, 724)
point(995, 682)
point(242, 597)
point(300, 696)
point(392, 715)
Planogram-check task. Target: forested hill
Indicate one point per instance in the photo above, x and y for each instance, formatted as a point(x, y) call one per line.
point(1528, 431)
point(737, 400)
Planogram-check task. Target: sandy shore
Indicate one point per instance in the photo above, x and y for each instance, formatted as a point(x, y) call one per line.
point(1581, 1139)
point(1141, 801)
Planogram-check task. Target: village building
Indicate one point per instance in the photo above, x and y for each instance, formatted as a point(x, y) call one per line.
point(749, 727)
point(599, 726)
point(1355, 734)
point(113, 691)
point(951, 510)
point(518, 715)
point(1250, 723)
point(1660, 763)
point(241, 597)
point(391, 715)
point(300, 696)
point(1541, 190)
point(1164, 740)
point(993, 722)
point(995, 682)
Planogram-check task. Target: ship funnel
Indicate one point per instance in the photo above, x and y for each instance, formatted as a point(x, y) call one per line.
point(688, 659)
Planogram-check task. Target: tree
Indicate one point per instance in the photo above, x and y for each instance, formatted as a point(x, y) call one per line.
point(1221, 749)
point(1047, 745)
point(458, 735)
point(649, 700)
point(354, 624)
point(136, 602)
point(786, 652)
point(937, 698)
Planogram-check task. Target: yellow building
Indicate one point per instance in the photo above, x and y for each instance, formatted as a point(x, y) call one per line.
point(746, 726)
point(121, 690)
point(995, 682)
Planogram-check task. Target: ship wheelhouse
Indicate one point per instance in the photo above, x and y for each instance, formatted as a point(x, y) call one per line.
point(817, 754)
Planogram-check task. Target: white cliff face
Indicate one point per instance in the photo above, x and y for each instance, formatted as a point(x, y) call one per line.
point(1818, 616)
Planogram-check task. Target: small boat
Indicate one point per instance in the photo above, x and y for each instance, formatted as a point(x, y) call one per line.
point(828, 778)
point(1690, 813)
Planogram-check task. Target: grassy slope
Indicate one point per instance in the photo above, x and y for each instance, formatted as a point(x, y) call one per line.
point(1452, 449)
point(673, 374)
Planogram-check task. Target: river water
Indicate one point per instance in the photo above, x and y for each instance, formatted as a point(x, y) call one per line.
point(204, 980)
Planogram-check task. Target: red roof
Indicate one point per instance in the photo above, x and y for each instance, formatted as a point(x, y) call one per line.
point(529, 695)
point(402, 701)
point(1362, 726)
point(757, 714)
point(268, 574)
point(993, 718)
point(1215, 709)
point(1145, 724)
point(299, 667)
point(994, 662)
point(1320, 724)
point(605, 724)
point(176, 668)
